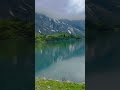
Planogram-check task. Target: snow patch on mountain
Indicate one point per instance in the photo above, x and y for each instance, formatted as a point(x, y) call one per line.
point(46, 25)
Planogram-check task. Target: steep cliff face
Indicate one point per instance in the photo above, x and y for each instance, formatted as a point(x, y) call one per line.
point(21, 9)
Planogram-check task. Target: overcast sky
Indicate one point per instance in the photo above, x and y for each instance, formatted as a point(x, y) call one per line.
point(65, 9)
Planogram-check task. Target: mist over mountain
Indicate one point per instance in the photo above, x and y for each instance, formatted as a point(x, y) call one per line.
point(80, 24)
point(61, 9)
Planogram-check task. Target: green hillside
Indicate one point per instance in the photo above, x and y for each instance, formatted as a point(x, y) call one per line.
point(16, 29)
point(43, 38)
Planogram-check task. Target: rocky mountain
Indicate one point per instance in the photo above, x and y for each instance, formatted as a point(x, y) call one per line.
point(103, 11)
point(21, 9)
point(80, 24)
point(101, 16)
point(47, 25)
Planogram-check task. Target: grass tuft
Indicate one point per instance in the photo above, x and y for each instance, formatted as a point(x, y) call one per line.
point(41, 84)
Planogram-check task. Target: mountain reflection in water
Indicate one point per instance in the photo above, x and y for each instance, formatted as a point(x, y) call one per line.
point(61, 60)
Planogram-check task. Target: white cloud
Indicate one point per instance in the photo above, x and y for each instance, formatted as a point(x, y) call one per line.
point(67, 9)
point(76, 6)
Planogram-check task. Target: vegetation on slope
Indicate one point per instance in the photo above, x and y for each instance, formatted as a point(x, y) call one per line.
point(15, 29)
point(98, 30)
point(42, 38)
point(41, 84)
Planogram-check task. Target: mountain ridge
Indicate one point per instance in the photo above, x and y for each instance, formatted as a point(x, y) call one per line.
point(20, 9)
point(47, 25)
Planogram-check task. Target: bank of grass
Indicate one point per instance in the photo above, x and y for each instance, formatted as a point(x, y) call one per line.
point(41, 84)
point(44, 38)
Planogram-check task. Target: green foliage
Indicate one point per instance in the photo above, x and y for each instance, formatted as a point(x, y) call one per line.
point(99, 29)
point(10, 29)
point(42, 38)
point(41, 84)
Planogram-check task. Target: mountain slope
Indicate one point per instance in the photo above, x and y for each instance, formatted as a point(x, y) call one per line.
point(46, 25)
point(103, 11)
point(79, 24)
point(21, 9)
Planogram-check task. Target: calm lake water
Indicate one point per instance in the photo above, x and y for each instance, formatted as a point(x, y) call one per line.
point(61, 61)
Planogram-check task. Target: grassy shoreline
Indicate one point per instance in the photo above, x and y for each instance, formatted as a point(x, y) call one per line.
point(44, 84)
point(44, 38)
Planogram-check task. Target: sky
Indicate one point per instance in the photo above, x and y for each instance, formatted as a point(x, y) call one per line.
point(61, 9)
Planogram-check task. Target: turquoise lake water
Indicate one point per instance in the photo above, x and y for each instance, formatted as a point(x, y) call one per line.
point(63, 60)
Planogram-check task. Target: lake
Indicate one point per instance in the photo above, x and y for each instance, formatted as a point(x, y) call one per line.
point(63, 60)
point(17, 64)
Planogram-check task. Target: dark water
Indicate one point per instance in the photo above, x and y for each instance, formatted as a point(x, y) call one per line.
point(61, 61)
point(17, 64)
point(103, 62)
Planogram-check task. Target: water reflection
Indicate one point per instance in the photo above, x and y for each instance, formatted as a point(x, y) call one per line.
point(17, 64)
point(61, 61)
